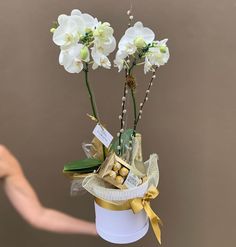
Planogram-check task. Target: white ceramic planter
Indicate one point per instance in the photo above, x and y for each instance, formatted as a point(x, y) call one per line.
point(120, 227)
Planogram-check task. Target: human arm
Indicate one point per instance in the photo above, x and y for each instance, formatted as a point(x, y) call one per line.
point(25, 200)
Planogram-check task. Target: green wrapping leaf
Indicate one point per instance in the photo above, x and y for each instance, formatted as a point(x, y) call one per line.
point(126, 137)
point(82, 166)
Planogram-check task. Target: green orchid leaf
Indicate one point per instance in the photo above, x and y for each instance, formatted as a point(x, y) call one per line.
point(126, 137)
point(82, 166)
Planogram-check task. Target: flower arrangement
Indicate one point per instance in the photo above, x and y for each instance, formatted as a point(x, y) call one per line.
point(114, 171)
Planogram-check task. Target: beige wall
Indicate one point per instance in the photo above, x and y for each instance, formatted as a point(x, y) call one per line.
point(190, 121)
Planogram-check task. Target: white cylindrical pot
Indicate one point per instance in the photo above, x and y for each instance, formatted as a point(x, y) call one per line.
point(120, 227)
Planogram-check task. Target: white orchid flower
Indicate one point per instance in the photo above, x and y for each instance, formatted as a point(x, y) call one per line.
point(130, 48)
point(69, 30)
point(90, 21)
point(158, 55)
point(100, 59)
point(147, 65)
point(105, 47)
point(119, 60)
point(104, 44)
point(79, 32)
point(103, 32)
point(73, 57)
point(135, 37)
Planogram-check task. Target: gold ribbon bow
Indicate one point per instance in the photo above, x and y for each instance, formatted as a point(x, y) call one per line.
point(138, 204)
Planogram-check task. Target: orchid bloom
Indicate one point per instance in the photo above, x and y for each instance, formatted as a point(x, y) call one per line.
point(69, 30)
point(72, 59)
point(138, 43)
point(79, 34)
point(136, 37)
point(157, 55)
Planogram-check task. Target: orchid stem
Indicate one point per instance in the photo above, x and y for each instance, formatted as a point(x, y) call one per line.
point(92, 101)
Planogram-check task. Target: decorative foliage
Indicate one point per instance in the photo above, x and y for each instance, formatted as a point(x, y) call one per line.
point(86, 165)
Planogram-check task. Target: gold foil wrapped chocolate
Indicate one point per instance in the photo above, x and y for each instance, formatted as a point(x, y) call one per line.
point(123, 171)
point(119, 179)
point(116, 167)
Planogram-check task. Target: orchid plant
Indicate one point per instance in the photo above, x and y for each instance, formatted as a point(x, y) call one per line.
point(85, 41)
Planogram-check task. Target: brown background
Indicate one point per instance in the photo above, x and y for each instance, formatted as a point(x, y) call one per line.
point(190, 120)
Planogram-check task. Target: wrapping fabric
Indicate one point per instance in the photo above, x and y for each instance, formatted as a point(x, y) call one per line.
point(76, 187)
point(100, 189)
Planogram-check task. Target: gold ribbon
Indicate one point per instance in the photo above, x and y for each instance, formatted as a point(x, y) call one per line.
point(137, 205)
point(113, 206)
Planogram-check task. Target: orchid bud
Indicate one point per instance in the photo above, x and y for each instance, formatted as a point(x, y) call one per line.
point(88, 30)
point(52, 30)
point(163, 49)
point(84, 52)
point(139, 42)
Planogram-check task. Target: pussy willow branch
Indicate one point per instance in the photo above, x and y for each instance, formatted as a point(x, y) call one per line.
point(92, 101)
point(123, 112)
point(130, 14)
point(145, 99)
point(133, 93)
point(134, 107)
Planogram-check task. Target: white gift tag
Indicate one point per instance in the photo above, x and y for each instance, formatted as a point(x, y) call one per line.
point(103, 135)
point(131, 181)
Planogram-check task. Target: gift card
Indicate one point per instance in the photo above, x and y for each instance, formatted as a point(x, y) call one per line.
point(131, 181)
point(103, 135)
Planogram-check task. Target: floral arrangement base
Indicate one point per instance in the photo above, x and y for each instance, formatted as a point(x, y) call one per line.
point(120, 227)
